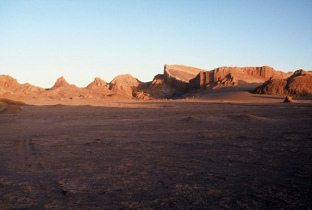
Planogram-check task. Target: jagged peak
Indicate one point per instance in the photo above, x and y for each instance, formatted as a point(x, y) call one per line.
point(97, 82)
point(60, 82)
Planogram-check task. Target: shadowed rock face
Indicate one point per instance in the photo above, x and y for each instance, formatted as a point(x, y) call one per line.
point(272, 86)
point(299, 84)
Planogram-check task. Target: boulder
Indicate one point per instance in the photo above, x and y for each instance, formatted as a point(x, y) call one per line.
point(288, 99)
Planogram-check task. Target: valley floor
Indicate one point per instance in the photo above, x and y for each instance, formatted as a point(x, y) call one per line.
point(157, 155)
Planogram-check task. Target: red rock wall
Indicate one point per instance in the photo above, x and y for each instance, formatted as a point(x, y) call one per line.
point(221, 75)
point(201, 80)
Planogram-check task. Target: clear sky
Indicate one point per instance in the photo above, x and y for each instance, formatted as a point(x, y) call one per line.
point(41, 40)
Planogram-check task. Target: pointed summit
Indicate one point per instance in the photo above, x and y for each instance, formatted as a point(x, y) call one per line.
point(97, 83)
point(60, 82)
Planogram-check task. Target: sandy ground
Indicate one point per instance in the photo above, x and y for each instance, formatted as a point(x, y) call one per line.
point(181, 154)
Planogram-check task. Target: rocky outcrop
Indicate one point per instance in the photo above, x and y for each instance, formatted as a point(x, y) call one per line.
point(8, 83)
point(298, 84)
point(61, 83)
point(235, 76)
point(184, 78)
point(272, 86)
point(157, 88)
point(10, 86)
point(124, 85)
point(97, 83)
point(248, 74)
point(202, 80)
point(288, 99)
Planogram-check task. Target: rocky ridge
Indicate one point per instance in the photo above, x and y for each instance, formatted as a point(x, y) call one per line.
point(176, 81)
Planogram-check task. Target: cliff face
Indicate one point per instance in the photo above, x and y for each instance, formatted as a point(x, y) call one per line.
point(176, 81)
point(248, 74)
point(202, 80)
point(235, 76)
point(298, 84)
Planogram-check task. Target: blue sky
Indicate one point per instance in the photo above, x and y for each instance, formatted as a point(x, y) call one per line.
point(42, 40)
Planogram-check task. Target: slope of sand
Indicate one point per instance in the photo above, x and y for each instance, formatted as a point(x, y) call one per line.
point(180, 72)
point(157, 155)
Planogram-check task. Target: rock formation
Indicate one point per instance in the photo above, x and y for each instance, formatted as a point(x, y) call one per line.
point(158, 88)
point(98, 88)
point(298, 84)
point(10, 86)
point(124, 85)
point(235, 76)
point(272, 87)
point(98, 83)
point(184, 78)
point(288, 99)
point(176, 81)
point(61, 83)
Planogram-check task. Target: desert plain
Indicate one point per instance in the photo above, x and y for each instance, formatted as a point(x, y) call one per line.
point(188, 139)
point(214, 153)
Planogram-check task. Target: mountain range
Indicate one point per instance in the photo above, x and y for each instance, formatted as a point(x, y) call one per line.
point(177, 81)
